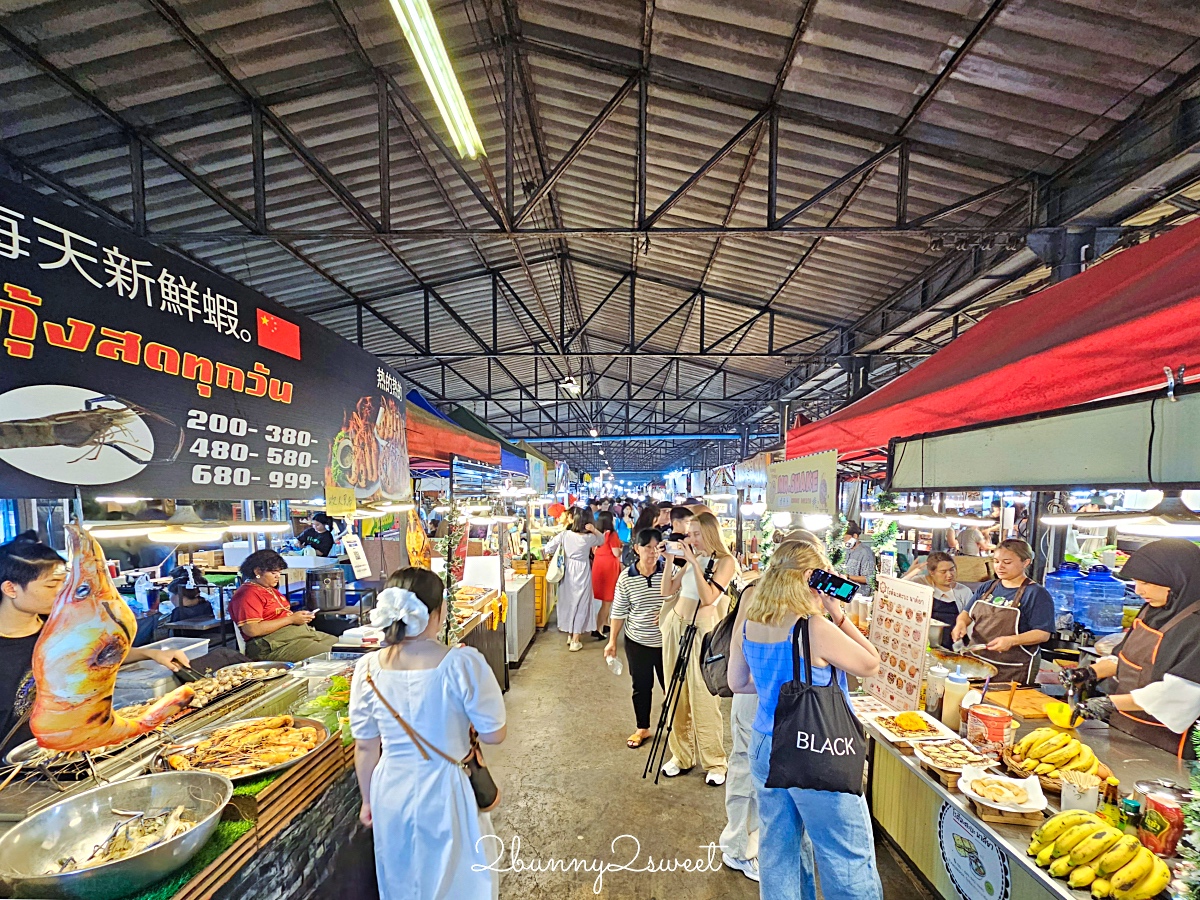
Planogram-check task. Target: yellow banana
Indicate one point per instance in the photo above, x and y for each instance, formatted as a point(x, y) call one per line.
point(1120, 854)
point(1038, 734)
point(1093, 768)
point(1094, 845)
point(1101, 888)
point(1065, 754)
point(1061, 867)
point(1072, 836)
point(1044, 858)
point(1053, 827)
point(1043, 769)
point(1085, 758)
point(1028, 764)
point(1042, 748)
point(1151, 884)
point(1082, 876)
point(1133, 872)
point(1035, 848)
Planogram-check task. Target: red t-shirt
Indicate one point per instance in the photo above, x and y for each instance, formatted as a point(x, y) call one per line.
point(254, 603)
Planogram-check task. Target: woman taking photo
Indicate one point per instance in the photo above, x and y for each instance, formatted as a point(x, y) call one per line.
point(575, 595)
point(837, 825)
point(1157, 659)
point(421, 807)
point(696, 589)
point(606, 568)
point(636, 608)
point(1010, 616)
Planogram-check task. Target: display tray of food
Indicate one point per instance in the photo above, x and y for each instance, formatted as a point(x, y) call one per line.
point(115, 839)
point(471, 595)
point(1048, 752)
point(950, 755)
point(247, 748)
point(1001, 792)
point(1087, 852)
point(910, 726)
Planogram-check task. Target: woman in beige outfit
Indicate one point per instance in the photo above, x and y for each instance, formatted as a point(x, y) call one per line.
point(699, 570)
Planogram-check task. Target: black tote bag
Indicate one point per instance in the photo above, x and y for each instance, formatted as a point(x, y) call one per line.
point(818, 744)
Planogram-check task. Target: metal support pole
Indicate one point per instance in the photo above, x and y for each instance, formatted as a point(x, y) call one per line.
point(902, 186)
point(385, 151)
point(137, 178)
point(773, 168)
point(259, 164)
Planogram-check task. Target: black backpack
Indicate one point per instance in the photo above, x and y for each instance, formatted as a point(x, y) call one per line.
point(714, 652)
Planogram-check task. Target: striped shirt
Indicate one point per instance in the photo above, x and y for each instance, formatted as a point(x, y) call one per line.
point(638, 600)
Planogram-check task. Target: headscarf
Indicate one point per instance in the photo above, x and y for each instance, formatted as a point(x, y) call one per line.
point(1172, 563)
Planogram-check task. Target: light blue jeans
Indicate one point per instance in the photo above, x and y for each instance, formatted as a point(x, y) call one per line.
point(798, 827)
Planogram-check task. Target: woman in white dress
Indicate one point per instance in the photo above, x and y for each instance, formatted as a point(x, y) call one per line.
point(428, 827)
point(576, 600)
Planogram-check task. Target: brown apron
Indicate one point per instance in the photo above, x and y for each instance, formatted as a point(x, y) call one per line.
point(1135, 663)
point(991, 620)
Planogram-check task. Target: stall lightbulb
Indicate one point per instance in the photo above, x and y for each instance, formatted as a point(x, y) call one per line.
point(119, 533)
point(781, 519)
point(816, 521)
point(1168, 518)
point(747, 510)
point(759, 507)
point(123, 501)
point(594, 432)
point(258, 527)
point(395, 507)
point(416, 18)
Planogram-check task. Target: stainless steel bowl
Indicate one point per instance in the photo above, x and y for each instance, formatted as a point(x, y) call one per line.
point(75, 826)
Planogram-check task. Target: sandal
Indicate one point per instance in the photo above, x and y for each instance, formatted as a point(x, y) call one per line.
point(635, 741)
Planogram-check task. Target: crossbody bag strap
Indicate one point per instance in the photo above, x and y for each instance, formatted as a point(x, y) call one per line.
point(409, 730)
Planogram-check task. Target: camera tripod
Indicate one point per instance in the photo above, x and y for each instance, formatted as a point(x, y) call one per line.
point(666, 717)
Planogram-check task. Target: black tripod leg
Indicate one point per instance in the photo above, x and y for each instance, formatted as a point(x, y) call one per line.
point(671, 705)
point(665, 714)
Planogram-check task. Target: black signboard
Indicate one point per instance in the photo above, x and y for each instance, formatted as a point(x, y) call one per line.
point(128, 369)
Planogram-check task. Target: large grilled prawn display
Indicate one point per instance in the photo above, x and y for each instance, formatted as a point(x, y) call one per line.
point(84, 641)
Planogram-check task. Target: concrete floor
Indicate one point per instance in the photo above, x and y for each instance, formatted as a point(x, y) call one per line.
point(570, 787)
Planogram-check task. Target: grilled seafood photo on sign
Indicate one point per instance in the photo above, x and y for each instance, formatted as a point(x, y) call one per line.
point(85, 639)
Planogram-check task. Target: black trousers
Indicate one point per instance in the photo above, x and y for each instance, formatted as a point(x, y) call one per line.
point(644, 663)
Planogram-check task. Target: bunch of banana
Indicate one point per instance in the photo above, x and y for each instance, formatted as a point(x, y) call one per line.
point(1049, 751)
point(1087, 851)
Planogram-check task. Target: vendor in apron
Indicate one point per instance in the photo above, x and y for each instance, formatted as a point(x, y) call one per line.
point(1010, 616)
point(1159, 656)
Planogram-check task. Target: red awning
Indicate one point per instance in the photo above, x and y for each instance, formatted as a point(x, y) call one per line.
point(433, 439)
point(1107, 331)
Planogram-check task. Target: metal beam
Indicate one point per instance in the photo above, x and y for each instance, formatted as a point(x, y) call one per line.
point(704, 169)
point(576, 148)
point(867, 165)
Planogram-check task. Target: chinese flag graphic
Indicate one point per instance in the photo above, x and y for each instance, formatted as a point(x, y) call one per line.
point(278, 334)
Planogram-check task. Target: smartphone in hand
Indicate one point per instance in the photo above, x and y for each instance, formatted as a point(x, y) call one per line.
point(833, 585)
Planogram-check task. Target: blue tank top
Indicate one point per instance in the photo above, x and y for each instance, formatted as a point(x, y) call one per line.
point(770, 667)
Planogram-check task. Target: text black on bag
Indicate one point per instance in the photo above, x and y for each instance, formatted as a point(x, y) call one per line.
point(818, 743)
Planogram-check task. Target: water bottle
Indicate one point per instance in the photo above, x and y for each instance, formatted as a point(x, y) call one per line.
point(1099, 601)
point(1061, 585)
point(614, 665)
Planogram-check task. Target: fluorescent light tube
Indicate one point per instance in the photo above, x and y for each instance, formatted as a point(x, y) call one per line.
point(416, 18)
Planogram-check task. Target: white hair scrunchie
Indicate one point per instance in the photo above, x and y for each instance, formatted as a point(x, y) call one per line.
point(397, 604)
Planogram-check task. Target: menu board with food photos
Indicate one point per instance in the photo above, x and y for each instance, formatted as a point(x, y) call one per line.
point(900, 632)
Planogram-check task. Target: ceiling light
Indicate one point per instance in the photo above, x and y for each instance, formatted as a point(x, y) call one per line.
point(118, 533)
point(395, 507)
point(816, 521)
point(781, 519)
point(570, 387)
point(594, 433)
point(259, 527)
point(924, 517)
point(416, 18)
point(747, 510)
point(1170, 518)
point(123, 501)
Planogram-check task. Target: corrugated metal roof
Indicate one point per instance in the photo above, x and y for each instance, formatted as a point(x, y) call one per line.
point(981, 93)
